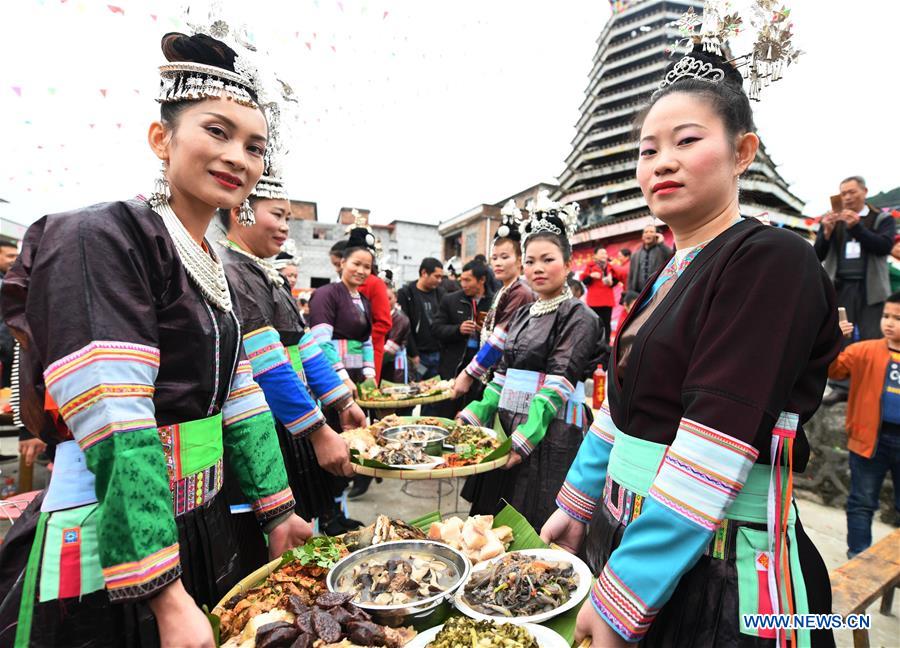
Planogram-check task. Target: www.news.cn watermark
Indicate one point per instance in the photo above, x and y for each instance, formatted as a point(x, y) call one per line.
point(807, 622)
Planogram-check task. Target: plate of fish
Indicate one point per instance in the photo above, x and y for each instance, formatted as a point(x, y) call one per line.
point(400, 579)
point(463, 631)
point(396, 454)
point(528, 586)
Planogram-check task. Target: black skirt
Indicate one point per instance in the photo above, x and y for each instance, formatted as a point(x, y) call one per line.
point(532, 486)
point(208, 560)
point(310, 484)
point(704, 608)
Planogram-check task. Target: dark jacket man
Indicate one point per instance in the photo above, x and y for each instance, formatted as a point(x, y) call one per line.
point(456, 322)
point(648, 258)
point(420, 301)
point(854, 245)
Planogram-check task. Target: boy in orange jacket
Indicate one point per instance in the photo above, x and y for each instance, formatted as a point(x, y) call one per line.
point(873, 421)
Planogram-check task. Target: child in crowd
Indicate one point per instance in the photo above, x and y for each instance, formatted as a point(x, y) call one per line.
point(873, 421)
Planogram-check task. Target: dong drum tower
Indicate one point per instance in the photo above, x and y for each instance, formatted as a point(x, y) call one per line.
point(633, 51)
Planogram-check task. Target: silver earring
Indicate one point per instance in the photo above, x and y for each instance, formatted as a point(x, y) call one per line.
point(246, 217)
point(161, 194)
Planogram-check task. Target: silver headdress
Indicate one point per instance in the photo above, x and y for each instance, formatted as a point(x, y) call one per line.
point(288, 255)
point(270, 187)
point(510, 222)
point(187, 81)
point(545, 215)
point(271, 182)
point(689, 66)
point(772, 50)
point(361, 235)
point(244, 84)
point(281, 115)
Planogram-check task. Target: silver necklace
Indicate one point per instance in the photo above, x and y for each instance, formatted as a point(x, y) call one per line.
point(488, 326)
point(265, 264)
point(203, 268)
point(545, 306)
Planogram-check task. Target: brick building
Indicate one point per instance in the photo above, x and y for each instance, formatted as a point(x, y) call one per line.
point(472, 231)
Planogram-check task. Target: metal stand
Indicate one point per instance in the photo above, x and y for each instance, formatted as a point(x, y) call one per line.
point(428, 489)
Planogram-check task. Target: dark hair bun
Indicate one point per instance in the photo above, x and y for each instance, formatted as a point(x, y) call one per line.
point(732, 75)
point(360, 238)
point(200, 48)
point(727, 96)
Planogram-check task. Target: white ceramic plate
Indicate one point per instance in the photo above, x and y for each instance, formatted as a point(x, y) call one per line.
point(545, 637)
point(582, 571)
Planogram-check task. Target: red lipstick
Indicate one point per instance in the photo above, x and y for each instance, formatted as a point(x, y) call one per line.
point(226, 179)
point(666, 187)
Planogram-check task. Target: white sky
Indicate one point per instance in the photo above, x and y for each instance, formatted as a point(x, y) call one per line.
point(416, 115)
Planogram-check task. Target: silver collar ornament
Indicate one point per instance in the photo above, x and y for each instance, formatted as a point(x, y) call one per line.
point(204, 268)
point(266, 265)
point(547, 306)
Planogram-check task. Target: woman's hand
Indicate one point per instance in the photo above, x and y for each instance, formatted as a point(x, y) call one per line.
point(462, 384)
point(352, 417)
point(846, 328)
point(332, 452)
point(564, 530)
point(352, 387)
point(590, 624)
point(293, 532)
point(513, 459)
point(180, 622)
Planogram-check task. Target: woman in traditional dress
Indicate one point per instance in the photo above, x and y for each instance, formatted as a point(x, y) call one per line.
point(506, 261)
point(127, 320)
point(287, 362)
point(341, 320)
point(341, 317)
point(537, 387)
point(683, 485)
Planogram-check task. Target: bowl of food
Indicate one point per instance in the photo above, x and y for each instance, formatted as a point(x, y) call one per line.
point(401, 391)
point(463, 631)
point(428, 437)
point(400, 582)
point(471, 437)
point(528, 586)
